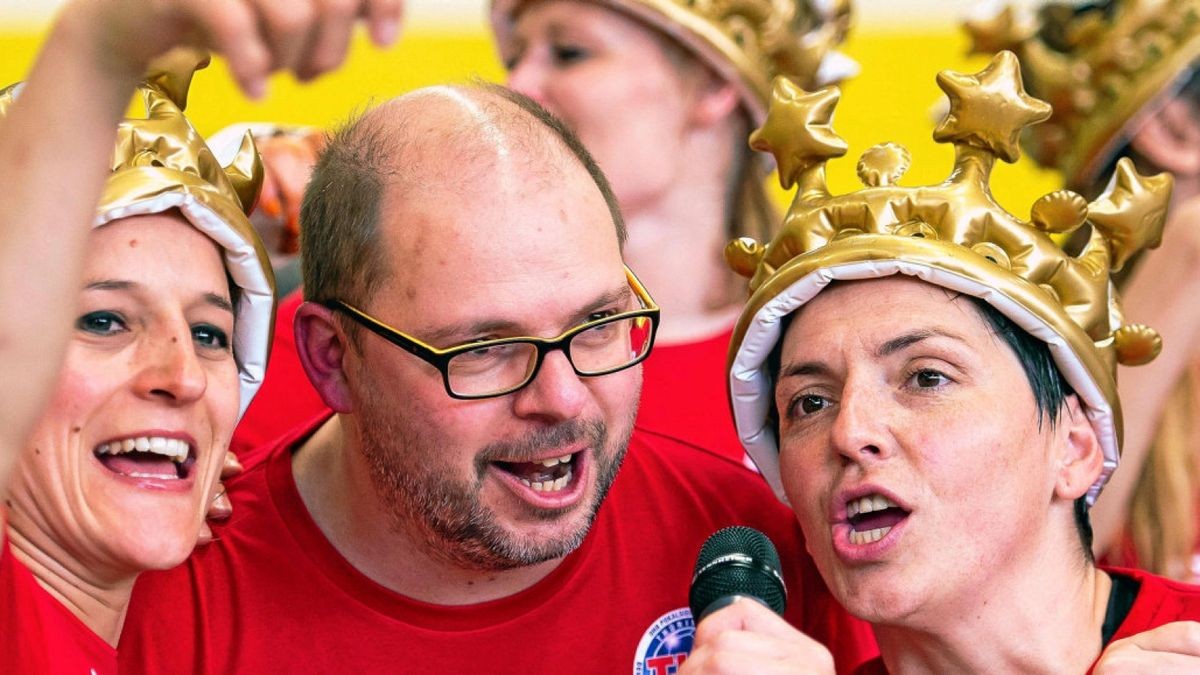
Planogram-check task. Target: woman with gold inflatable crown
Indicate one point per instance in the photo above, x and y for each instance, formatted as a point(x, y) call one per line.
point(1121, 76)
point(930, 381)
point(159, 335)
point(662, 93)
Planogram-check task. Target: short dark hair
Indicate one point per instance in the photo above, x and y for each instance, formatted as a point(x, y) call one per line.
point(1050, 388)
point(339, 215)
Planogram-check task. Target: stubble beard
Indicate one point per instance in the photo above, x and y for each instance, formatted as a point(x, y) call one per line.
point(448, 515)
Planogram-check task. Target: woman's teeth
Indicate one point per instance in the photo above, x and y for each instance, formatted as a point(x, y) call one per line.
point(870, 536)
point(871, 518)
point(868, 504)
point(172, 448)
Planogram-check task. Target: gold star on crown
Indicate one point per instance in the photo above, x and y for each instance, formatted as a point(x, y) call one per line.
point(166, 139)
point(1098, 65)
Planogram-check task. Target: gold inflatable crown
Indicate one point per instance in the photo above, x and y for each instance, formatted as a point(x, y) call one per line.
point(952, 234)
point(168, 140)
point(747, 41)
point(988, 110)
point(1099, 66)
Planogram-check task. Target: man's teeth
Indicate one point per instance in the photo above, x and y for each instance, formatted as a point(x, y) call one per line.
point(549, 485)
point(555, 461)
point(174, 448)
point(870, 536)
point(869, 504)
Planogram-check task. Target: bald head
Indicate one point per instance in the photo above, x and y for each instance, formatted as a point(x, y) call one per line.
point(446, 141)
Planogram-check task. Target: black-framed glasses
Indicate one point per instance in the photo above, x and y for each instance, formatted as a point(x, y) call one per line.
point(492, 368)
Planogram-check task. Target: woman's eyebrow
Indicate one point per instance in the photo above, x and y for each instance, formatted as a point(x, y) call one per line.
point(110, 285)
point(218, 301)
point(911, 338)
point(214, 299)
point(802, 369)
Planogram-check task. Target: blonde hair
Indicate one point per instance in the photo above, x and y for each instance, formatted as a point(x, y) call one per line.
point(1162, 515)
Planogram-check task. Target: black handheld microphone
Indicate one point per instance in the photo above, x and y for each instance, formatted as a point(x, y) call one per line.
point(736, 562)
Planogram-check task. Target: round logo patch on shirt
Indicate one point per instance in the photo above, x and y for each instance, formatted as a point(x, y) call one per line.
point(665, 644)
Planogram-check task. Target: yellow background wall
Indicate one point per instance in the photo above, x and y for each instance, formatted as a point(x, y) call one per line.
point(891, 100)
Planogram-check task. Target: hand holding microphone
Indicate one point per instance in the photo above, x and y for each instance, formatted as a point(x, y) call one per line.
point(737, 596)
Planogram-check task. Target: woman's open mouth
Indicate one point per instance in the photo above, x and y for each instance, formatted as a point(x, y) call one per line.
point(872, 517)
point(154, 457)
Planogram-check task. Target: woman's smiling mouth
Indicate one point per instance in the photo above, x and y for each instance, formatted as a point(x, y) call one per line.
point(156, 457)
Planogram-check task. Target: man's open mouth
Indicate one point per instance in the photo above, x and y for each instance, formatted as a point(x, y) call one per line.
point(545, 475)
point(147, 457)
point(872, 517)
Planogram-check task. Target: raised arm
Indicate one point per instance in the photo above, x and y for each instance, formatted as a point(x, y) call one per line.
point(57, 139)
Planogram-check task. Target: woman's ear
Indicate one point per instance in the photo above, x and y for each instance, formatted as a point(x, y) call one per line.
point(716, 99)
point(1170, 138)
point(321, 345)
point(1082, 457)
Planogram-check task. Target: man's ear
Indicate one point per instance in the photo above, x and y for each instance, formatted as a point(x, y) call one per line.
point(1082, 457)
point(322, 346)
point(1170, 138)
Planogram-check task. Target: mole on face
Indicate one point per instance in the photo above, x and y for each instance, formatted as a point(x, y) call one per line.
point(133, 243)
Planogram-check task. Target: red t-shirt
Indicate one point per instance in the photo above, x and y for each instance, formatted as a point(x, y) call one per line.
point(271, 594)
point(38, 634)
point(1159, 601)
point(684, 394)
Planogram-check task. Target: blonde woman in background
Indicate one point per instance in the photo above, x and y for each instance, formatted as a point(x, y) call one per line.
point(664, 94)
point(1121, 78)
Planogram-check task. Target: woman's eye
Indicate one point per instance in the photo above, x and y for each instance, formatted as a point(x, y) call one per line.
point(100, 323)
point(568, 54)
point(929, 379)
point(808, 404)
point(210, 336)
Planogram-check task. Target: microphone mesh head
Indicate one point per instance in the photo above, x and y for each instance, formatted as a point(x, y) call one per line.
point(737, 561)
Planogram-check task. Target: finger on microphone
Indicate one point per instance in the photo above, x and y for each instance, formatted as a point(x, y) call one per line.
point(744, 615)
point(748, 637)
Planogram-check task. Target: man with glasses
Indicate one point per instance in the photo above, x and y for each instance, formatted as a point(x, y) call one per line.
point(472, 325)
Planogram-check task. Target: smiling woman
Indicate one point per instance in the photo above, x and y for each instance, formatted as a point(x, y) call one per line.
point(118, 472)
point(136, 431)
point(157, 304)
